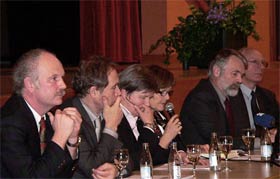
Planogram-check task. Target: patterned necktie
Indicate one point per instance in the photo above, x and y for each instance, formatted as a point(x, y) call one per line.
point(229, 116)
point(254, 105)
point(42, 134)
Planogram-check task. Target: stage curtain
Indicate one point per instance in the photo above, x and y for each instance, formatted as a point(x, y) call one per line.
point(111, 28)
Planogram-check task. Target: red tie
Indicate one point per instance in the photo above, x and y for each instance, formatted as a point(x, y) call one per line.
point(42, 134)
point(229, 116)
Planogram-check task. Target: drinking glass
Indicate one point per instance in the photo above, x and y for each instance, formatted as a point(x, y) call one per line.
point(193, 154)
point(225, 145)
point(121, 158)
point(248, 137)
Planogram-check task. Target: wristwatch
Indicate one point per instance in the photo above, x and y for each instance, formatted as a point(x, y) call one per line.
point(76, 144)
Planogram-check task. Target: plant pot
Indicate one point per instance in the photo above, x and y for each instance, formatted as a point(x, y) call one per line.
point(226, 39)
point(235, 41)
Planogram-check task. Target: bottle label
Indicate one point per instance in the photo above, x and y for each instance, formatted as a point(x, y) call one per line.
point(146, 172)
point(176, 174)
point(213, 161)
point(266, 150)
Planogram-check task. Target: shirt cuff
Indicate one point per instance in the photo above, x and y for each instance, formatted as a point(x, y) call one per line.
point(110, 132)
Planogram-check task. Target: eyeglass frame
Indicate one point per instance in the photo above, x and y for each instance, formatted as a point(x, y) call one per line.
point(263, 62)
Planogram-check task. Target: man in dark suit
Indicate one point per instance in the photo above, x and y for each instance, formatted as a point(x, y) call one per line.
point(137, 86)
point(206, 108)
point(38, 86)
point(265, 99)
point(98, 100)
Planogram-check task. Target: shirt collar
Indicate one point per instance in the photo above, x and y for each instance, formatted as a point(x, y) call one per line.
point(130, 118)
point(36, 115)
point(220, 95)
point(91, 114)
point(247, 91)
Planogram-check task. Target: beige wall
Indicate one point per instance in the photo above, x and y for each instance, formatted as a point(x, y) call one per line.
point(154, 26)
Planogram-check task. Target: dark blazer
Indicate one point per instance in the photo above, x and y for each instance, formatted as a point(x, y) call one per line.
point(159, 154)
point(20, 146)
point(129, 141)
point(203, 113)
point(92, 153)
point(267, 104)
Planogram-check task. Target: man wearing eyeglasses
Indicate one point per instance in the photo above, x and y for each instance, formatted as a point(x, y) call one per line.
point(251, 94)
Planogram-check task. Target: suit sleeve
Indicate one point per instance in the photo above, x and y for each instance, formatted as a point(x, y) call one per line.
point(101, 153)
point(17, 153)
point(198, 115)
point(159, 154)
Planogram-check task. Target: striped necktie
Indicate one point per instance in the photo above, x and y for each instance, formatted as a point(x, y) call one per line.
point(42, 134)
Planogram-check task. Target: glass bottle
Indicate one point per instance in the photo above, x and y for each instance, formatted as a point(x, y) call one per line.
point(174, 162)
point(146, 163)
point(214, 153)
point(266, 146)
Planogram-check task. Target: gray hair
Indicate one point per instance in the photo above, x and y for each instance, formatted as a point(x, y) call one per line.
point(137, 78)
point(222, 58)
point(26, 66)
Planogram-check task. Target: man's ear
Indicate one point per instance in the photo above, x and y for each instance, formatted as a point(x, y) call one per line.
point(93, 91)
point(29, 84)
point(216, 71)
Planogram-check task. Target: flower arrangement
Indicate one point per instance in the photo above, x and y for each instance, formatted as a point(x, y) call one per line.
point(199, 36)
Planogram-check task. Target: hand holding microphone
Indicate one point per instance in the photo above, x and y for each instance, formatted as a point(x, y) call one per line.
point(169, 108)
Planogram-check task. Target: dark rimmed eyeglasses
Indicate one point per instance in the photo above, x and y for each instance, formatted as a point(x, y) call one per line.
point(259, 62)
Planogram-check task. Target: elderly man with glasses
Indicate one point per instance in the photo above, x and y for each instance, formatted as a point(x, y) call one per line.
point(253, 99)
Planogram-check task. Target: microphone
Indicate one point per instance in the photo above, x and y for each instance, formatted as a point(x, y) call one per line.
point(264, 120)
point(169, 108)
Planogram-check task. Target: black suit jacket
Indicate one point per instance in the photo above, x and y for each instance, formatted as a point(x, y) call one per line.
point(267, 104)
point(20, 146)
point(203, 113)
point(129, 141)
point(92, 153)
point(159, 154)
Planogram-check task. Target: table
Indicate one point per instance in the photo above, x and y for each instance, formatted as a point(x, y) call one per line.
point(240, 169)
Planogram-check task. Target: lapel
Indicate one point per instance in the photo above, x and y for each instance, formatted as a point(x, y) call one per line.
point(88, 128)
point(260, 100)
point(125, 127)
point(33, 137)
point(239, 111)
point(221, 123)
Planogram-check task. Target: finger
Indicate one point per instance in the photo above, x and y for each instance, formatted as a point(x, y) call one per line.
point(118, 101)
point(72, 111)
point(137, 109)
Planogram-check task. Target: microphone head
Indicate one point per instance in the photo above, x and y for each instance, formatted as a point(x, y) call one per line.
point(264, 120)
point(169, 107)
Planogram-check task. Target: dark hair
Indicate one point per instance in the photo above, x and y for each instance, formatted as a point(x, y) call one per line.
point(222, 58)
point(92, 72)
point(26, 66)
point(164, 78)
point(137, 78)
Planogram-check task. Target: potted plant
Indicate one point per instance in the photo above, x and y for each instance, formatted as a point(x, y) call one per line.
point(199, 36)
